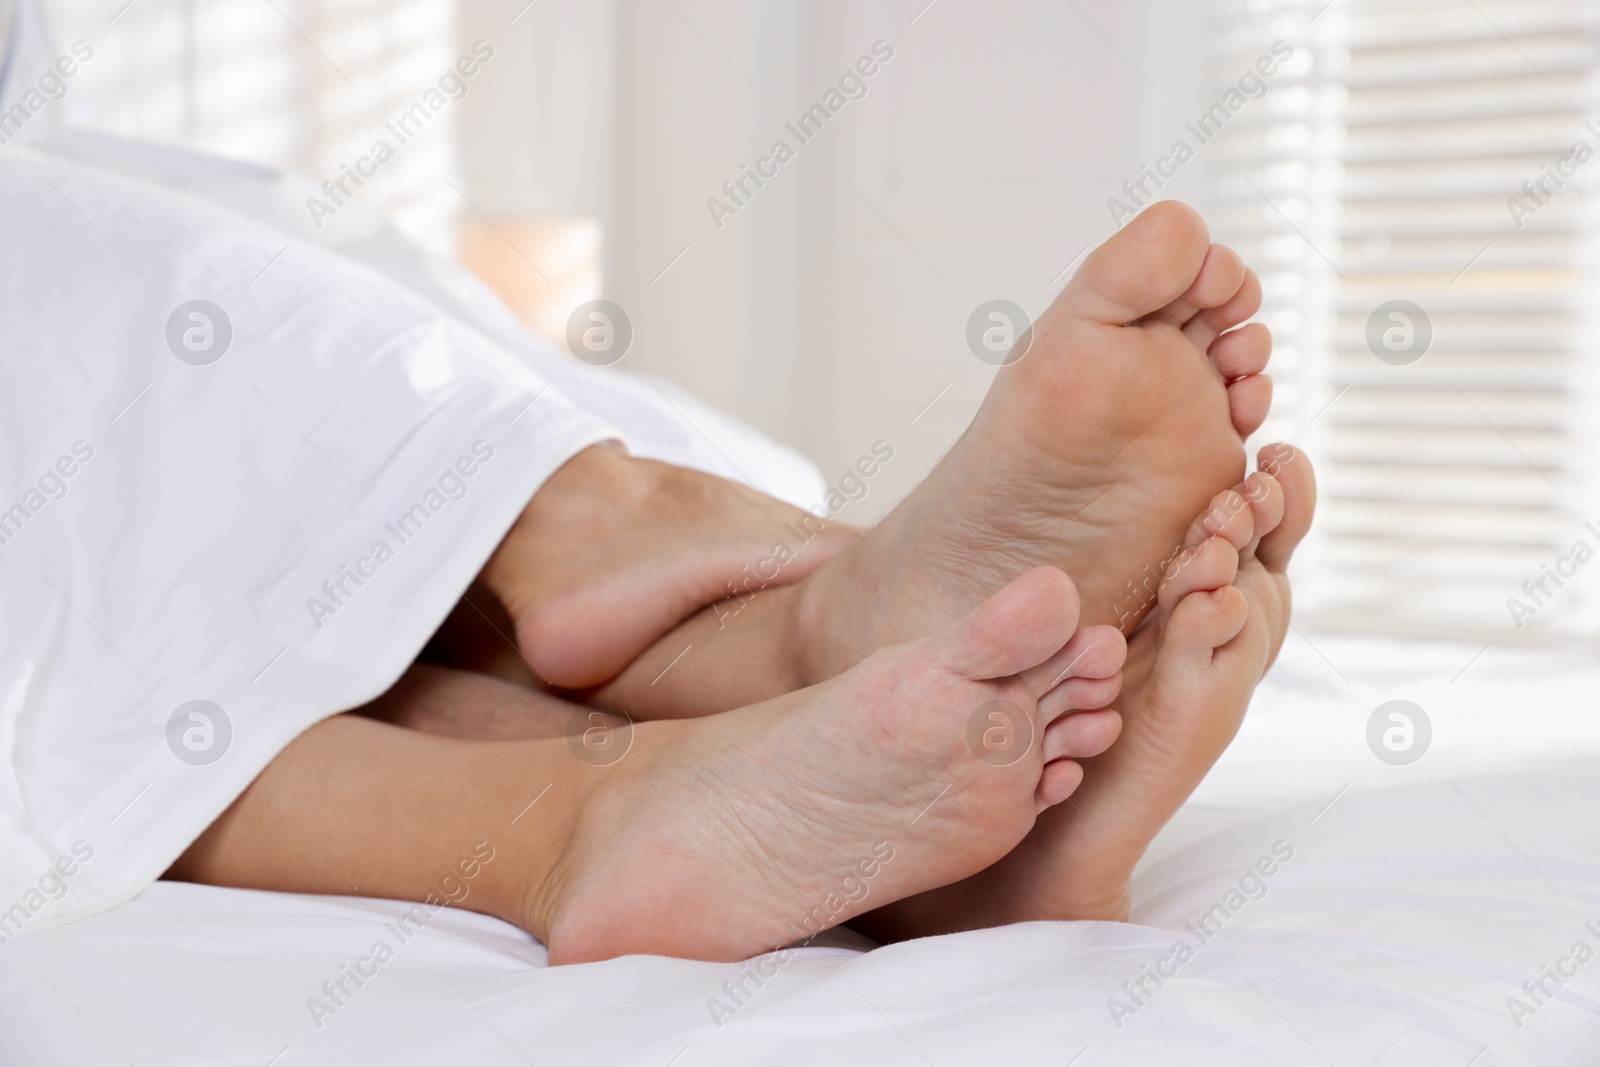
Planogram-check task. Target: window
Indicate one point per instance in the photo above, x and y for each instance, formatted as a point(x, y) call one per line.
point(1435, 153)
point(302, 84)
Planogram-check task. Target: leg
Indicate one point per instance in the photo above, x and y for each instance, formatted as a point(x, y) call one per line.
point(714, 838)
point(363, 807)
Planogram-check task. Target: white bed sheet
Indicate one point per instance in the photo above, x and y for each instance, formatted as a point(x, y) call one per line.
point(1414, 906)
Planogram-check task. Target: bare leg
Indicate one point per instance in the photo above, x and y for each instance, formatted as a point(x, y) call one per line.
point(714, 838)
point(356, 806)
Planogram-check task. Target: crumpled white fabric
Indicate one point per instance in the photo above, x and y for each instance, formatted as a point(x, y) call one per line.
point(185, 531)
point(169, 527)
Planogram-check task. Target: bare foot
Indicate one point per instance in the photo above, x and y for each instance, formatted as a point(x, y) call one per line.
point(738, 833)
point(1090, 453)
point(614, 551)
point(1197, 665)
point(1222, 615)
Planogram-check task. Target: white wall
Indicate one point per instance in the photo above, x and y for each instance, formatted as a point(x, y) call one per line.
point(981, 158)
point(537, 136)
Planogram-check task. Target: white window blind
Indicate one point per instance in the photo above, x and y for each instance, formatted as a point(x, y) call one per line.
point(1389, 164)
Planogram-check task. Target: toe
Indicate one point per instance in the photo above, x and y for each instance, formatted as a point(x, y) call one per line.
point(1059, 781)
point(1229, 517)
point(1079, 694)
point(1221, 274)
point(1292, 471)
point(1265, 494)
point(1239, 306)
point(1021, 626)
point(1249, 399)
point(1095, 652)
point(1204, 621)
point(1213, 565)
point(1088, 733)
point(1242, 351)
point(1145, 266)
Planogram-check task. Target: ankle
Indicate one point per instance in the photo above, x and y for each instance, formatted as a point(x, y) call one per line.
point(538, 849)
point(1100, 889)
point(554, 899)
point(1111, 906)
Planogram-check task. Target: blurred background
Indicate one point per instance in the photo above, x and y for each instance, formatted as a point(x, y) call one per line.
point(1433, 152)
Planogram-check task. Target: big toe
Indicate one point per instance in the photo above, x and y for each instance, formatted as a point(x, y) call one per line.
point(1145, 266)
point(1021, 626)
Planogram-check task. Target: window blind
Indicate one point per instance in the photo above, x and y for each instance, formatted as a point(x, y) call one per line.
point(1435, 153)
point(302, 84)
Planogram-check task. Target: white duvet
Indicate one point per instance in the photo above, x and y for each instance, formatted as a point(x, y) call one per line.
point(246, 468)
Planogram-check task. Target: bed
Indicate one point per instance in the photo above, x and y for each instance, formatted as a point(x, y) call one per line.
point(1312, 904)
point(1411, 915)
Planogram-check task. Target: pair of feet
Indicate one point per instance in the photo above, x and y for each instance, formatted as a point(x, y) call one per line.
point(933, 691)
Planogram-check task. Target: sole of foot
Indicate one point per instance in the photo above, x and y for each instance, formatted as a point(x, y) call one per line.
point(723, 837)
point(1092, 452)
point(1221, 613)
point(614, 551)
